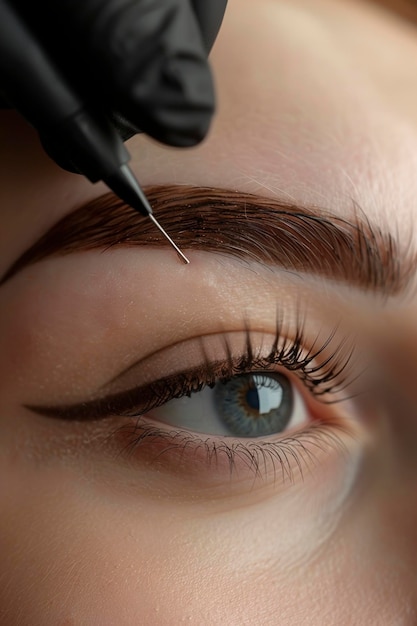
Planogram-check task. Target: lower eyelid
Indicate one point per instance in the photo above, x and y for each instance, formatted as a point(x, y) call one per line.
point(199, 460)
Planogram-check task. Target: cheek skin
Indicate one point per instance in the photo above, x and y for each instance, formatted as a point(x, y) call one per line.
point(98, 557)
point(103, 558)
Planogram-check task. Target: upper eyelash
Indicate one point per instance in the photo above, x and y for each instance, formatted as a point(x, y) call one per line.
point(322, 378)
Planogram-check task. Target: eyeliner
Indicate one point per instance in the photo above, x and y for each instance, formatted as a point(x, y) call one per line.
point(92, 146)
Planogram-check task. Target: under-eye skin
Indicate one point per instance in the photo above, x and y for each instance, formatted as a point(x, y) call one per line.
point(284, 404)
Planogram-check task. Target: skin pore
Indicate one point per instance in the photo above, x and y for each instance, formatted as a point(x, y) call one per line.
point(317, 108)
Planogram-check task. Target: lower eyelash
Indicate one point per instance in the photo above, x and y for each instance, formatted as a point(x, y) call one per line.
point(280, 459)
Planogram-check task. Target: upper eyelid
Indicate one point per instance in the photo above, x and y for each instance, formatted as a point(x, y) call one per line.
point(284, 351)
point(243, 225)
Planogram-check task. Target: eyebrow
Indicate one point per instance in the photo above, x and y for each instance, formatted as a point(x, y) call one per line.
point(243, 225)
point(405, 9)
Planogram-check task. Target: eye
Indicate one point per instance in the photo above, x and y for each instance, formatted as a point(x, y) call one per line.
point(253, 405)
point(249, 404)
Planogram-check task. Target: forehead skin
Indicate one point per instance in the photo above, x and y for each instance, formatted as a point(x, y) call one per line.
point(318, 104)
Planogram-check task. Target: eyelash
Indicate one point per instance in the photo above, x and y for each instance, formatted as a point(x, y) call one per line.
point(324, 380)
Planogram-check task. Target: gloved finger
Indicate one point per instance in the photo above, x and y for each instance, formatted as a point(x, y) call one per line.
point(209, 14)
point(153, 68)
point(209, 17)
point(144, 60)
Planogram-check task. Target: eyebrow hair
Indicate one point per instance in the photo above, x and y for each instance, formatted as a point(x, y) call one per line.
point(243, 225)
point(406, 9)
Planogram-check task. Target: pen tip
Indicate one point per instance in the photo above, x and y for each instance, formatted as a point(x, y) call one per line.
point(125, 185)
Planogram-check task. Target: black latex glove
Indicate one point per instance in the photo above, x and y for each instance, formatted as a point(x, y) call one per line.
point(143, 63)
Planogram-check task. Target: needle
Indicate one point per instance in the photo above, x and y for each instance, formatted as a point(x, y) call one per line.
point(125, 185)
point(173, 244)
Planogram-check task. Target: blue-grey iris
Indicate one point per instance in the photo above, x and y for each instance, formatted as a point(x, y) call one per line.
point(254, 405)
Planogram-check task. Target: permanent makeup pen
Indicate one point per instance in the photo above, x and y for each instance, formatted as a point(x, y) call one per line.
point(92, 144)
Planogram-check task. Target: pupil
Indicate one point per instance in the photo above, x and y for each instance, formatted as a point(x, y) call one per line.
point(252, 397)
point(262, 395)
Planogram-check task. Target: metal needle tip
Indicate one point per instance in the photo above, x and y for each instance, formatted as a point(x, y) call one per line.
point(173, 244)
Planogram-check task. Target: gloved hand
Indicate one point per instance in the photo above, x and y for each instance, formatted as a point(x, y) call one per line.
point(143, 63)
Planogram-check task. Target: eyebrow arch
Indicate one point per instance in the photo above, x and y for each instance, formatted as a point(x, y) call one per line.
point(243, 225)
